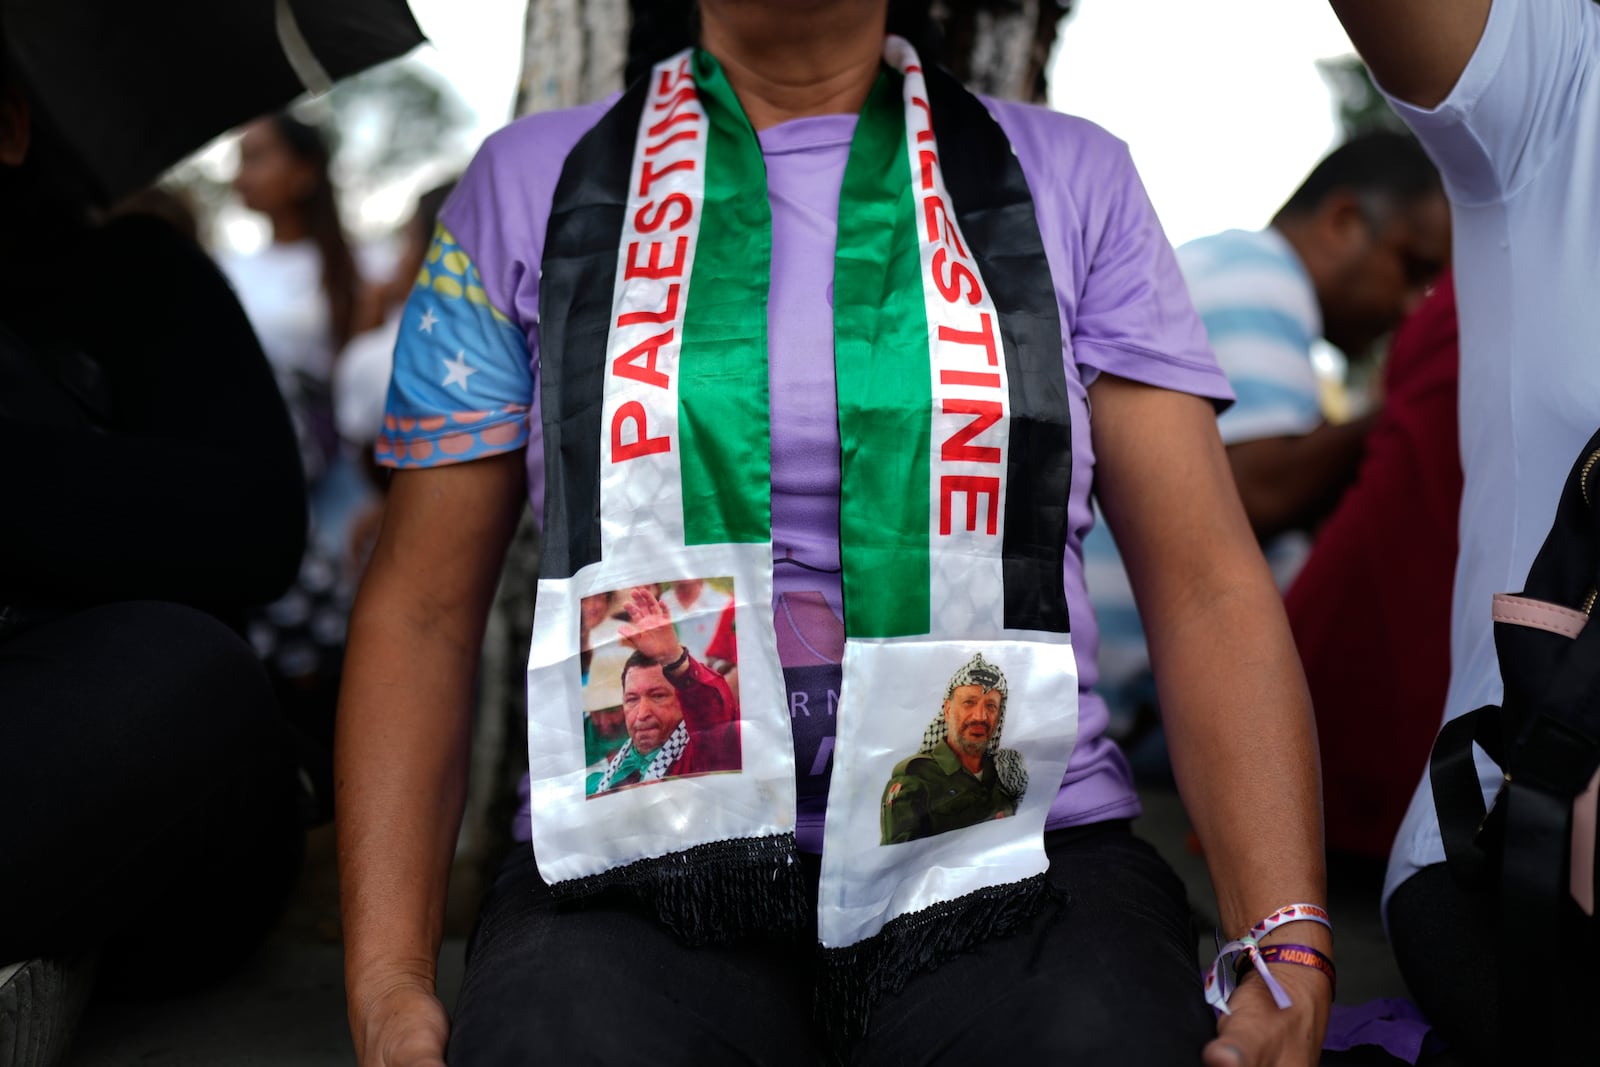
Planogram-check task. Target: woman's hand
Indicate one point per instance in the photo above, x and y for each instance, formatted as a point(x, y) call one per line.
point(405, 1026)
point(1260, 1034)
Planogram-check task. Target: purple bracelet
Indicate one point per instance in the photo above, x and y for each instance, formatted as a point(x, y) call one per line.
point(1300, 955)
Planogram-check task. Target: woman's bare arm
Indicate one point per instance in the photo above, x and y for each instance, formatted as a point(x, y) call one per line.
point(402, 741)
point(1233, 696)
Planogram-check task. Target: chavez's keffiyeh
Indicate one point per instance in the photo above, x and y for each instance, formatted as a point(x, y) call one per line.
point(629, 761)
point(954, 470)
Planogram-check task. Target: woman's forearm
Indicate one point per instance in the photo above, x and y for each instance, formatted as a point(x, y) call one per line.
point(1239, 725)
point(401, 760)
point(401, 749)
point(1233, 696)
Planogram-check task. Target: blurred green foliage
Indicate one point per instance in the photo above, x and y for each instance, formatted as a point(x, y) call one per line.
point(1358, 105)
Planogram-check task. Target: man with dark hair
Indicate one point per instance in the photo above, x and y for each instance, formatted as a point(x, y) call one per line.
point(961, 776)
point(1348, 256)
point(1378, 162)
point(1346, 259)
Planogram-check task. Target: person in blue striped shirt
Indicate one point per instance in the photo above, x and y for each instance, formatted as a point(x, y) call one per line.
point(1349, 256)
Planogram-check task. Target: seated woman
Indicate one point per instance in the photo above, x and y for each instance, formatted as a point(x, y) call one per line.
point(803, 314)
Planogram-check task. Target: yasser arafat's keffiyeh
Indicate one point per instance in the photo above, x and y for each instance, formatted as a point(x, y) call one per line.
point(1009, 765)
point(954, 471)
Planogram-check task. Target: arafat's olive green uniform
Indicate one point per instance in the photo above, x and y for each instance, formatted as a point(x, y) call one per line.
point(929, 794)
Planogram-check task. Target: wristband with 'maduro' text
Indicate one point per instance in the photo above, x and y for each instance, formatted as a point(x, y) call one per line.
point(1300, 955)
point(1222, 978)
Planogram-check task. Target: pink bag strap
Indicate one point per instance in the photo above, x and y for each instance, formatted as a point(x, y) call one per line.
point(1538, 614)
point(1569, 623)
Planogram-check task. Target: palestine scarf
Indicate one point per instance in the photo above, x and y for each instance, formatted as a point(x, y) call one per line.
point(955, 468)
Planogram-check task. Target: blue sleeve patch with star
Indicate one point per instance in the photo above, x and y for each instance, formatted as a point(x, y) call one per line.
point(462, 385)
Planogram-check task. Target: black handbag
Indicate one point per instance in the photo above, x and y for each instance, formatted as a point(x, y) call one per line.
point(62, 387)
point(43, 386)
point(1532, 854)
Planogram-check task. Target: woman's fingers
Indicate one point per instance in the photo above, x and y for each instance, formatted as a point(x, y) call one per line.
point(1260, 1034)
point(1220, 1053)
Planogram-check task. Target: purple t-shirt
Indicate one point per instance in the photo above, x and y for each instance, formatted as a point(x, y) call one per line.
point(1124, 310)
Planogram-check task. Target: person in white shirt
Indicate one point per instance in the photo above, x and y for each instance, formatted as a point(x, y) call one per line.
point(303, 291)
point(1504, 95)
point(361, 379)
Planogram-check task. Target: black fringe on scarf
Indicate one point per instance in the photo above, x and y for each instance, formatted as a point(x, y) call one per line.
point(717, 892)
point(855, 977)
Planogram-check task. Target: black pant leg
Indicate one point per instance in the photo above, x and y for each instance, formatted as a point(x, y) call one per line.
point(603, 983)
point(147, 793)
point(1108, 978)
point(1444, 941)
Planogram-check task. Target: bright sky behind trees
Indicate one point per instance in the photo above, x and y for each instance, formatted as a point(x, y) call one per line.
point(1221, 102)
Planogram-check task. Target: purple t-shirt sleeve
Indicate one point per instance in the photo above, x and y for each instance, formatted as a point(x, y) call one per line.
point(1126, 310)
point(465, 382)
point(1135, 318)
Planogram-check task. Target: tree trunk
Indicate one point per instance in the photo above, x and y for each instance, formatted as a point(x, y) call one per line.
point(999, 47)
point(573, 52)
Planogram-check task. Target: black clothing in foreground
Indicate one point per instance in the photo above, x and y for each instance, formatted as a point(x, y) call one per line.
point(148, 797)
point(1109, 977)
point(1444, 941)
point(186, 484)
point(148, 801)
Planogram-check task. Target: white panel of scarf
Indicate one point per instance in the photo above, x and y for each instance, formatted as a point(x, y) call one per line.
point(580, 830)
